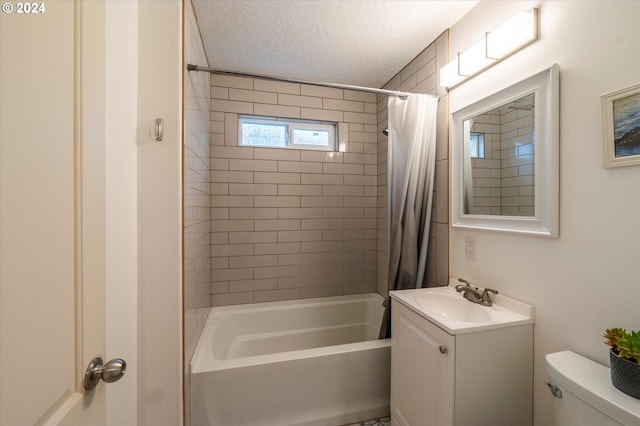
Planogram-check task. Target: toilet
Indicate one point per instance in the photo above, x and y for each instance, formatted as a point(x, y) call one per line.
point(584, 395)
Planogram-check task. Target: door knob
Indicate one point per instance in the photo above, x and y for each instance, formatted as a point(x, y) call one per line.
point(110, 372)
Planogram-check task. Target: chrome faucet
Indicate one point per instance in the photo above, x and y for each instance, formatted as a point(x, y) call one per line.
point(472, 294)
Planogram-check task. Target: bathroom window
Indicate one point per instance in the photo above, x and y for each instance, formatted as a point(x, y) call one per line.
point(271, 132)
point(476, 145)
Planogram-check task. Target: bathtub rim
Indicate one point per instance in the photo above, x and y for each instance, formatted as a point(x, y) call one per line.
point(204, 361)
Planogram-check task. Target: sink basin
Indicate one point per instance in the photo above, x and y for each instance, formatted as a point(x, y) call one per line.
point(455, 307)
point(448, 309)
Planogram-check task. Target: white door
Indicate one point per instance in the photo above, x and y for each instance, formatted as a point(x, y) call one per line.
point(52, 241)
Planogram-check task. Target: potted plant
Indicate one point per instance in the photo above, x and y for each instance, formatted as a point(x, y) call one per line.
point(625, 359)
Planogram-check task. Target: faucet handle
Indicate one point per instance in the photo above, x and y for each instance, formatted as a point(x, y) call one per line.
point(486, 297)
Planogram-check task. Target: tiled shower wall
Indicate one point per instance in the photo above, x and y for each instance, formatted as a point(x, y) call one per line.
point(419, 76)
point(290, 224)
point(197, 128)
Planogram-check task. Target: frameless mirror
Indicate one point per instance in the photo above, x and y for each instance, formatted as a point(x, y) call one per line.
point(504, 173)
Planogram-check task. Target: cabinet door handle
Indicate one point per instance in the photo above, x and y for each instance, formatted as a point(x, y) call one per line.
point(442, 349)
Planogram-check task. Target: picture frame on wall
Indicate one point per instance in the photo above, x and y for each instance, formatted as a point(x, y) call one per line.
point(621, 126)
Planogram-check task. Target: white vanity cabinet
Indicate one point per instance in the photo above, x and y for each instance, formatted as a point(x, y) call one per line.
point(481, 377)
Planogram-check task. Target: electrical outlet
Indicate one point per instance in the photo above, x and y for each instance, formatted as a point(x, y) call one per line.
point(470, 247)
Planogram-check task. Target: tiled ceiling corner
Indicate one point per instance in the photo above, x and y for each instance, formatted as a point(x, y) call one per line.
point(358, 42)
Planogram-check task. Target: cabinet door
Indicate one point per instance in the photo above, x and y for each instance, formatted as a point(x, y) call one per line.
point(422, 371)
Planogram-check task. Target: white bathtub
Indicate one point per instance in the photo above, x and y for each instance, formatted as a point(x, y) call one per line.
point(303, 362)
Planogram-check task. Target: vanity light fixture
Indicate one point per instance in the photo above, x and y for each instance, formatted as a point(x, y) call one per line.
point(513, 35)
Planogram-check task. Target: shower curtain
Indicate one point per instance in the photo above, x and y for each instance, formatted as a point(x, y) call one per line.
point(411, 167)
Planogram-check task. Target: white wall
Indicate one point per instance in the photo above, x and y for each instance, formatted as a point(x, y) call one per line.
point(121, 104)
point(160, 214)
point(588, 278)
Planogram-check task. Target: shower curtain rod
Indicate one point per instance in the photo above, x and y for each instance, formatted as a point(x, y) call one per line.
point(191, 67)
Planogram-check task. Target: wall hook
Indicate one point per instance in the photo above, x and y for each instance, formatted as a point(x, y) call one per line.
point(159, 129)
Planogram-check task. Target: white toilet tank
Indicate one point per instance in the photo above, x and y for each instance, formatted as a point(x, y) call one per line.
point(588, 397)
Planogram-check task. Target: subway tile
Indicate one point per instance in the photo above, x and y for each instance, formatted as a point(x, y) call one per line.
point(300, 281)
point(218, 287)
point(276, 86)
point(231, 201)
point(231, 106)
point(253, 96)
point(358, 95)
point(253, 165)
point(321, 114)
point(342, 105)
point(362, 136)
point(322, 156)
point(217, 139)
point(217, 116)
point(299, 213)
point(360, 180)
point(276, 271)
point(299, 189)
point(321, 291)
point(253, 189)
point(342, 234)
point(219, 164)
point(290, 236)
point(220, 262)
point(253, 237)
point(231, 129)
point(232, 274)
point(360, 158)
point(253, 213)
point(360, 202)
point(342, 212)
point(321, 201)
point(231, 176)
point(219, 92)
point(299, 167)
point(225, 299)
point(276, 154)
point(321, 179)
point(360, 223)
point(276, 110)
point(371, 169)
point(299, 101)
point(217, 126)
point(276, 201)
point(219, 213)
point(231, 81)
point(286, 178)
point(321, 246)
point(277, 225)
point(299, 259)
point(277, 295)
point(231, 249)
point(321, 92)
point(357, 117)
point(218, 188)
point(253, 261)
point(277, 248)
point(231, 225)
point(232, 152)
point(343, 190)
point(312, 224)
point(253, 285)
point(219, 237)
point(337, 168)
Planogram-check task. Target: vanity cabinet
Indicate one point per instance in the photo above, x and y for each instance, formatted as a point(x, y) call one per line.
point(478, 378)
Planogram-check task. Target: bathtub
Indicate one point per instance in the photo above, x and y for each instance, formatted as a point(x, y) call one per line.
point(303, 362)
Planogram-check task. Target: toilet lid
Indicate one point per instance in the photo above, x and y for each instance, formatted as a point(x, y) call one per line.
point(591, 382)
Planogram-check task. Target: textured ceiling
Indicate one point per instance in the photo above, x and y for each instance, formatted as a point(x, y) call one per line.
point(359, 42)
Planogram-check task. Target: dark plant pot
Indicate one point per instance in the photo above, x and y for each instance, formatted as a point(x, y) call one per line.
point(625, 375)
